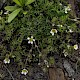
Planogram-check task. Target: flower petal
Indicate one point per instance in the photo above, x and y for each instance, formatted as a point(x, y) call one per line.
point(6, 60)
point(76, 47)
point(28, 38)
point(55, 31)
point(53, 34)
point(32, 37)
point(29, 42)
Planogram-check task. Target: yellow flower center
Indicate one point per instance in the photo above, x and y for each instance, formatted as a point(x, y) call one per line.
point(7, 59)
point(24, 70)
point(75, 46)
point(54, 30)
point(31, 39)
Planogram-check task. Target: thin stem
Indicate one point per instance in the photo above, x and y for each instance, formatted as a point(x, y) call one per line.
point(27, 58)
point(9, 72)
point(38, 50)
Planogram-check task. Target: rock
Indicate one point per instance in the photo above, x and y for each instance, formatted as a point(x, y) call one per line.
point(56, 74)
point(37, 74)
point(77, 75)
point(78, 0)
point(68, 68)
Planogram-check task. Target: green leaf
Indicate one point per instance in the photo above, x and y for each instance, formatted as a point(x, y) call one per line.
point(13, 15)
point(10, 8)
point(25, 12)
point(17, 2)
point(29, 2)
point(22, 2)
point(51, 61)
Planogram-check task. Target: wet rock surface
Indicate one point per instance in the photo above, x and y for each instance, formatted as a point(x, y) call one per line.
point(56, 74)
point(77, 75)
point(38, 74)
point(68, 68)
point(35, 73)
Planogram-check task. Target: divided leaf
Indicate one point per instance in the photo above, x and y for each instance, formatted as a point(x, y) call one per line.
point(17, 2)
point(13, 14)
point(10, 8)
point(21, 1)
point(29, 2)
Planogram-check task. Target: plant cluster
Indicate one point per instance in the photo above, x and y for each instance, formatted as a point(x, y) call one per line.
point(31, 29)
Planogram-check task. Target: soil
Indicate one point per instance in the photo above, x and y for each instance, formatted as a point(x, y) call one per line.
point(12, 72)
point(64, 68)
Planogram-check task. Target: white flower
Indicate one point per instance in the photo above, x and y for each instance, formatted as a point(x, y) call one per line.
point(6, 60)
point(46, 62)
point(47, 66)
point(53, 24)
point(53, 31)
point(67, 8)
point(39, 63)
point(24, 71)
point(65, 53)
point(75, 46)
point(70, 30)
point(60, 25)
point(30, 40)
point(66, 11)
point(60, 4)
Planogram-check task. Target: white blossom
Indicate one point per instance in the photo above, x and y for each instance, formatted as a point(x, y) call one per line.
point(70, 30)
point(65, 53)
point(67, 8)
point(75, 46)
point(53, 24)
point(6, 60)
point(60, 25)
point(60, 4)
point(30, 40)
point(53, 31)
point(24, 71)
point(46, 62)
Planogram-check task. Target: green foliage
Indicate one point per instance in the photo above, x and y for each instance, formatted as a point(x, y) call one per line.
point(40, 18)
point(10, 8)
point(13, 14)
point(20, 6)
point(28, 2)
point(18, 2)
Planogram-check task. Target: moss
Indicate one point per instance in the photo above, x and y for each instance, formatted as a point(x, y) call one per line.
point(37, 23)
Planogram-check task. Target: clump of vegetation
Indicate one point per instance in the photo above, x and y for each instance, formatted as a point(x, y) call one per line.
point(45, 27)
